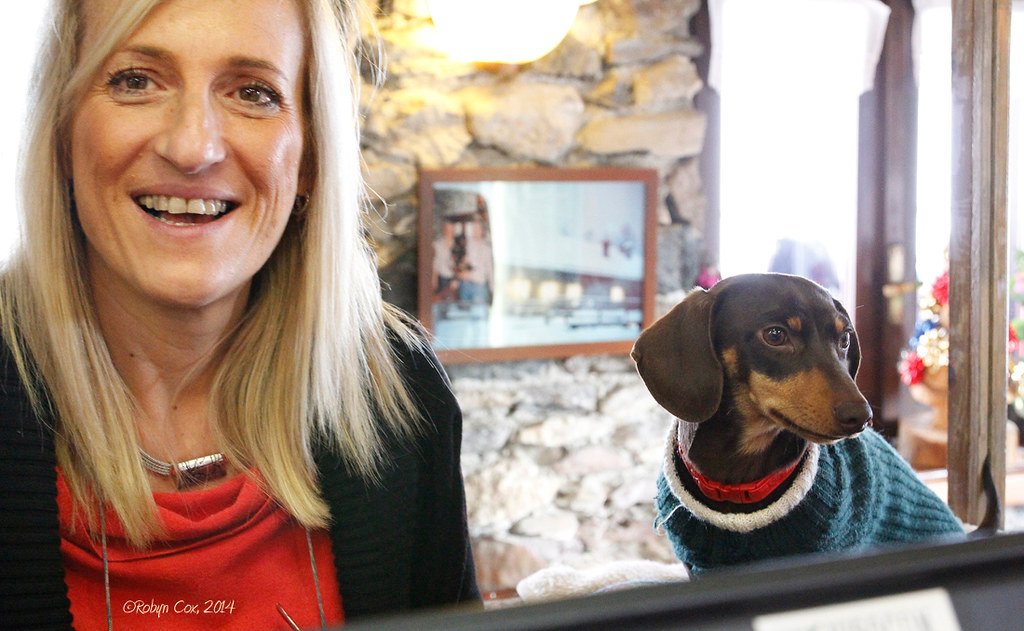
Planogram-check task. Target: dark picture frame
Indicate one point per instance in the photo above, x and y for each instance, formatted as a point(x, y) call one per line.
point(531, 263)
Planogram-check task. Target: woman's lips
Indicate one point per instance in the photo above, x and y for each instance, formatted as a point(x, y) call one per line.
point(178, 211)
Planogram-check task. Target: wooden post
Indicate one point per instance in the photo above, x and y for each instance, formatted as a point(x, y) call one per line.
point(978, 251)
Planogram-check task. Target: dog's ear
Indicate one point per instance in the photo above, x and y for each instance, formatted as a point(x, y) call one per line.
point(676, 359)
point(853, 354)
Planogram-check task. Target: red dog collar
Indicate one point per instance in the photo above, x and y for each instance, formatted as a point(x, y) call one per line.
point(743, 493)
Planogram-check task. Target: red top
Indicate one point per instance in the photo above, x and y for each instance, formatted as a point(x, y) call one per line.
point(231, 554)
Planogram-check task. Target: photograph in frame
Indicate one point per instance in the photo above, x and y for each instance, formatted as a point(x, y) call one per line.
point(524, 263)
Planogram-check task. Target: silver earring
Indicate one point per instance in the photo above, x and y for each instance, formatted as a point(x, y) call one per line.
point(299, 206)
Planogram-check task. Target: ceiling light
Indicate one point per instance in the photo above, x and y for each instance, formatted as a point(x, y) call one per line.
point(501, 31)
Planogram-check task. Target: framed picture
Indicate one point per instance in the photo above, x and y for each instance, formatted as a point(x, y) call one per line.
point(536, 262)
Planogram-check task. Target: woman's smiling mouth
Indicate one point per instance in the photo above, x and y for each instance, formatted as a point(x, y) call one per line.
point(178, 211)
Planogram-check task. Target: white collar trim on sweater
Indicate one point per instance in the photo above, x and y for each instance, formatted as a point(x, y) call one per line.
point(738, 522)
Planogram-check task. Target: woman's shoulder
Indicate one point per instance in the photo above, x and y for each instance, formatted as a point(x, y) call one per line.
point(415, 359)
point(18, 371)
point(9, 376)
point(17, 412)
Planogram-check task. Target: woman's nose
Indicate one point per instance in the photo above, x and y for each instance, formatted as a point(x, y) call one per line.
point(192, 138)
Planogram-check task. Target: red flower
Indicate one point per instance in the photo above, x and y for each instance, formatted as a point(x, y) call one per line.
point(911, 368)
point(1013, 341)
point(940, 289)
point(708, 277)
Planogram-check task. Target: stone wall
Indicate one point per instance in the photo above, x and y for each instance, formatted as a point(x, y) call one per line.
point(560, 460)
point(560, 457)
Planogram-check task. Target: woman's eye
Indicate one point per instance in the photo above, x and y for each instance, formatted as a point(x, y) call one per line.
point(129, 82)
point(845, 340)
point(774, 336)
point(259, 95)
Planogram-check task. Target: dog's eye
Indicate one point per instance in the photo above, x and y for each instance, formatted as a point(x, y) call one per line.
point(774, 336)
point(844, 340)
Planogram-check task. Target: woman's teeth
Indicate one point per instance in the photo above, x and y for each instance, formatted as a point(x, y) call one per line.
point(181, 206)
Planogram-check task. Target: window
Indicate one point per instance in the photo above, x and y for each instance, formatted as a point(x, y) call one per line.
point(933, 31)
point(19, 30)
point(790, 131)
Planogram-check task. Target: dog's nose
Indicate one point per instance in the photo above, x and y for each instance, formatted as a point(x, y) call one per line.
point(853, 416)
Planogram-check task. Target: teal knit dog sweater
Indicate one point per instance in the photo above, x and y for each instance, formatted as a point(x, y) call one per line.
point(852, 494)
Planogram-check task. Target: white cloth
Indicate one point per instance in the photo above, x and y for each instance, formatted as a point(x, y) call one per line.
point(561, 581)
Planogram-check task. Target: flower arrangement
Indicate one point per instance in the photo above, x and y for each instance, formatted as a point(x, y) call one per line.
point(924, 364)
point(924, 368)
point(926, 359)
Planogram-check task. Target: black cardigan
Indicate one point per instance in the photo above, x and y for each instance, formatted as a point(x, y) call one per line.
point(400, 544)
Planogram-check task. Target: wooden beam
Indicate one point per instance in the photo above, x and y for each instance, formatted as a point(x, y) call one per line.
point(978, 251)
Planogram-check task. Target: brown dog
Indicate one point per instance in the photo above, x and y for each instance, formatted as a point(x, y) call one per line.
point(760, 370)
point(762, 363)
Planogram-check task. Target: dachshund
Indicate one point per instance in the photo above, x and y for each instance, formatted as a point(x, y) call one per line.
point(760, 372)
point(769, 362)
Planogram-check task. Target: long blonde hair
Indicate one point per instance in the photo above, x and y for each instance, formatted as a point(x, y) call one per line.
point(312, 360)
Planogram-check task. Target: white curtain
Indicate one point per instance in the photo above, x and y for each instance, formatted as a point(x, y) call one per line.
point(796, 21)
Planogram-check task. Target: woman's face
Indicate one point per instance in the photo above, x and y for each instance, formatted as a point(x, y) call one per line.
point(186, 148)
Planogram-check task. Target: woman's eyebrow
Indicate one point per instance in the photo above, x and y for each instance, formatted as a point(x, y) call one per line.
point(159, 54)
point(238, 61)
point(255, 63)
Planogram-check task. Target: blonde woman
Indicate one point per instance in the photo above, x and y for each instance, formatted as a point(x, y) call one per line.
point(208, 417)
